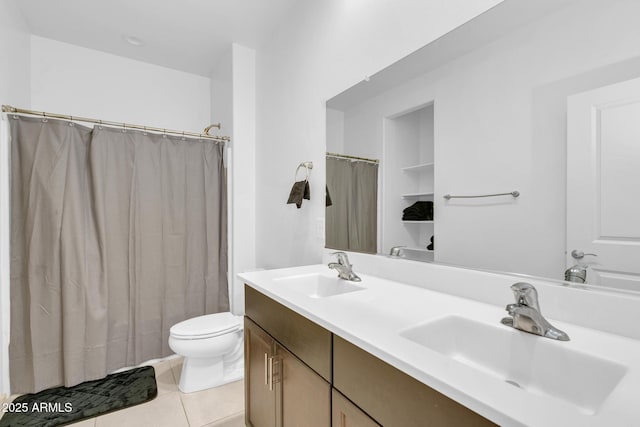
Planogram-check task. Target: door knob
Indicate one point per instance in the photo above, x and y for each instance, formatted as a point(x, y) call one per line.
point(576, 254)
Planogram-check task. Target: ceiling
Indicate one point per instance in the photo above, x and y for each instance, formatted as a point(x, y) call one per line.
point(187, 35)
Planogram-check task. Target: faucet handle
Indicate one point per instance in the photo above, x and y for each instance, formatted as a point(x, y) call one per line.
point(342, 257)
point(525, 294)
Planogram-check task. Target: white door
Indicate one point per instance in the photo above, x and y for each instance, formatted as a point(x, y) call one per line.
point(603, 184)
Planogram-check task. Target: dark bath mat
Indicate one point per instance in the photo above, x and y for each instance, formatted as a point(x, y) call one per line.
point(62, 405)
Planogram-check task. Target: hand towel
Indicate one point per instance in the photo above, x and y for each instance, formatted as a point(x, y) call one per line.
point(299, 191)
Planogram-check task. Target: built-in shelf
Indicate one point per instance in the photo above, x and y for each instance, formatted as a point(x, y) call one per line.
point(416, 195)
point(417, 250)
point(417, 222)
point(418, 168)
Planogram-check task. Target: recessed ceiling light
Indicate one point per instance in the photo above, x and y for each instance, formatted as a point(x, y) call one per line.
point(134, 41)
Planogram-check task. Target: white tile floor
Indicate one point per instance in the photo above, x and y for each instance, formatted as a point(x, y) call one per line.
point(217, 407)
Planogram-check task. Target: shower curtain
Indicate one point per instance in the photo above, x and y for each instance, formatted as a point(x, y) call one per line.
point(116, 235)
point(352, 219)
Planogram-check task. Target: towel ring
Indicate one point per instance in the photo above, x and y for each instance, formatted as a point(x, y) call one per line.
point(308, 166)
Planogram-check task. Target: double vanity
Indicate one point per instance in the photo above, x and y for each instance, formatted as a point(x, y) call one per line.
point(422, 350)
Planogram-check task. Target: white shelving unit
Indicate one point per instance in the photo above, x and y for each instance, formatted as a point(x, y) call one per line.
point(409, 178)
point(416, 195)
point(418, 168)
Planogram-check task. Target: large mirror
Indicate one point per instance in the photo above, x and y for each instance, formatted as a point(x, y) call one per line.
point(532, 100)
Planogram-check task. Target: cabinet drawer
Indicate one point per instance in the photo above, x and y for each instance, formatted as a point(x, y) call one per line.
point(346, 414)
point(392, 397)
point(308, 341)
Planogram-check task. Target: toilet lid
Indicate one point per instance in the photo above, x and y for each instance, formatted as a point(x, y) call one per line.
point(206, 326)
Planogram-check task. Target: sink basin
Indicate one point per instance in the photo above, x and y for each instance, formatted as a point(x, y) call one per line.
point(318, 285)
point(536, 364)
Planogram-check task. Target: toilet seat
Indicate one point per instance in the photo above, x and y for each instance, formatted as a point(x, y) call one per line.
point(207, 326)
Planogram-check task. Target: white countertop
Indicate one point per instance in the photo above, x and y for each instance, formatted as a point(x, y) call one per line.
point(372, 319)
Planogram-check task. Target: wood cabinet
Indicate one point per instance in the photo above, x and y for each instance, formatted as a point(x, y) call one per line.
point(296, 370)
point(305, 395)
point(346, 414)
point(310, 342)
point(260, 396)
point(291, 364)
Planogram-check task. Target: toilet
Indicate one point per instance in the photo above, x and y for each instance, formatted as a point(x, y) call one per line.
point(212, 346)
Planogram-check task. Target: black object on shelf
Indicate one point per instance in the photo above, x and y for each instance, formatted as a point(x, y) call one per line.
point(419, 211)
point(430, 247)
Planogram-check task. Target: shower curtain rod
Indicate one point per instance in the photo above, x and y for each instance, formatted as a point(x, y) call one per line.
point(204, 135)
point(345, 156)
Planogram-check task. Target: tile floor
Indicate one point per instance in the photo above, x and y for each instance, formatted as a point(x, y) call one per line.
point(217, 407)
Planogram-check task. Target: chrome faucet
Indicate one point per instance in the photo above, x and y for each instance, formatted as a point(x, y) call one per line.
point(343, 267)
point(525, 314)
point(576, 274)
point(396, 251)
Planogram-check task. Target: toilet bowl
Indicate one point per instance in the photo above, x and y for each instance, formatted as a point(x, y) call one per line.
point(212, 346)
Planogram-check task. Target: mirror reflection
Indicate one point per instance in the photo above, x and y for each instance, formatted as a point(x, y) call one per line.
point(536, 98)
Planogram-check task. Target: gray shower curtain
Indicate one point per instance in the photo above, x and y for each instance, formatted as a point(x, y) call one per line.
point(115, 236)
point(352, 219)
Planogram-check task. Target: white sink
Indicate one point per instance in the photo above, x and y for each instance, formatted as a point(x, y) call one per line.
point(318, 285)
point(535, 364)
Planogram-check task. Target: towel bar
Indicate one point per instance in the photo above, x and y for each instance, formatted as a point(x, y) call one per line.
point(512, 193)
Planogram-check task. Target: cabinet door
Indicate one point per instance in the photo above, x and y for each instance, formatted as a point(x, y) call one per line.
point(305, 397)
point(346, 414)
point(260, 393)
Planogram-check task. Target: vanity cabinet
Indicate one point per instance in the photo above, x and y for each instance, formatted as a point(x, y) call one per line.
point(300, 374)
point(283, 354)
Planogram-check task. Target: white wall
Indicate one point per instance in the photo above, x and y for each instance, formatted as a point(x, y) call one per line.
point(243, 148)
point(73, 80)
point(14, 56)
point(500, 126)
point(14, 90)
point(335, 131)
point(233, 103)
point(222, 95)
point(323, 48)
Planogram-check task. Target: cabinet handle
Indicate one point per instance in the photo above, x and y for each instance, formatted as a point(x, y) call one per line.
point(271, 374)
point(343, 419)
point(266, 373)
